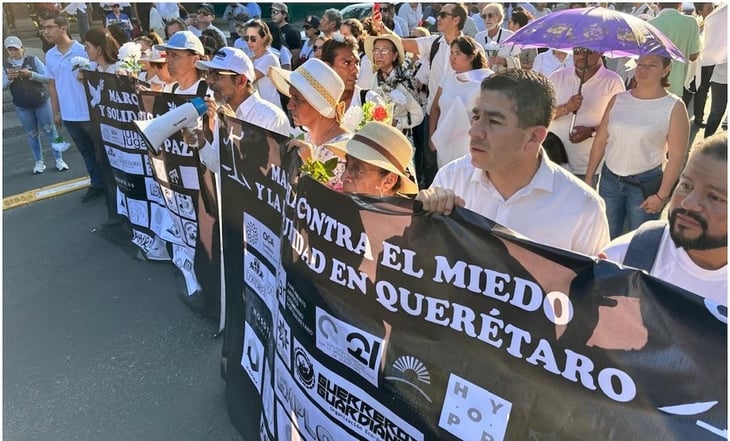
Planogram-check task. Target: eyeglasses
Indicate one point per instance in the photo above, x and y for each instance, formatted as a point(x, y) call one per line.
point(383, 51)
point(356, 170)
point(307, 27)
point(49, 28)
point(251, 38)
point(275, 11)
point(445, 14)
point(583, 51)
point(214, 75)
point(489, 15)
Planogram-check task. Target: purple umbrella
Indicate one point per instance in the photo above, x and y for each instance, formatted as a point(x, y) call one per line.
point(613, 33)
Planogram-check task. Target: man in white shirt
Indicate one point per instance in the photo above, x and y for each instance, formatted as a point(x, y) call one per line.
point(204, 20)
point(435, 68)
point(68, 100)
point(599, 85)
point(507, 177)
point(692, 251)
point(183, 50)
point(229, 76)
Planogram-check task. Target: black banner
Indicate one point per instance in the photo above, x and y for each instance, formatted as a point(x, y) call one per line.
point(113, 106)
point(358, 318)
point(175, 169)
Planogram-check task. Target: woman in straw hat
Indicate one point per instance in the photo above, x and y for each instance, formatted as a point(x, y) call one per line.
point(314, 90)
point(392, 80)
point(377, 162)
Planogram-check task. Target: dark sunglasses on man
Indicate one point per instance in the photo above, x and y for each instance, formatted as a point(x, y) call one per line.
point(443, 14)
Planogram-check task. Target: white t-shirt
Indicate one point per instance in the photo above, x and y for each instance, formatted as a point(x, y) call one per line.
point(264, 85)
point(597, 92)
point(70, 92)
point(254, 110)
point(547, 63)
point(674, 265)
point(439, 68)
point(555, 208)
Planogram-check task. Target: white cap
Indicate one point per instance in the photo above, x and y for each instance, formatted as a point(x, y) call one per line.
point(230, 59)
point(182, 40)
point(13, 41)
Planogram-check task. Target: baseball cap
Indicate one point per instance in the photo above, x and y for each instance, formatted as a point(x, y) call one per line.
point(208, 7)
point(230, 59)
point(280, 7)
point(312, 21)
point(13, 41)
point(182, 40)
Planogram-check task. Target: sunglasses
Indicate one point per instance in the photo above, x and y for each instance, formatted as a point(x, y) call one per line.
point(205, 13)
point(489, 15)
point(445, 14)
point(275, 11)
point(318, 48)
point(583, 51)
point(251, 38)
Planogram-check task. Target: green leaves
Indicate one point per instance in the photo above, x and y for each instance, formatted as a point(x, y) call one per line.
point(320, 171)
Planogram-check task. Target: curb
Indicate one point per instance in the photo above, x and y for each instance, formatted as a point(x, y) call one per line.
point(42, 193)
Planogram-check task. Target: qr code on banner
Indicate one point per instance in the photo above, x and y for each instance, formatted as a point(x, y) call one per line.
point(472, 412)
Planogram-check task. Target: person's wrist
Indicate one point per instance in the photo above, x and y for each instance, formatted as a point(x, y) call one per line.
point(659, 197)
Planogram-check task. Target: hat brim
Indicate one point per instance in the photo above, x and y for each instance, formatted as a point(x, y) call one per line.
point(367, 154)
point(370, 43)
point(165, 47)
point(284, 79)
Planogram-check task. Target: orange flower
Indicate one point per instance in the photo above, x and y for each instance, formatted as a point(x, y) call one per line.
point(380, 114)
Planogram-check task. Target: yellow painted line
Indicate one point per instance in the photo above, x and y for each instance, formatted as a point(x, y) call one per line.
point(44, 193)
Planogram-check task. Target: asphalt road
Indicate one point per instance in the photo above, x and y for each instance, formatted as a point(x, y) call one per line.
point(96, 345)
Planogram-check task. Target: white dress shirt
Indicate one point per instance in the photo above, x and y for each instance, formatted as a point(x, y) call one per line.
point(555, 208)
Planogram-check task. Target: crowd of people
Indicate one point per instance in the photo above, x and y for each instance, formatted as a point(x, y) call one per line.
point(470, 114)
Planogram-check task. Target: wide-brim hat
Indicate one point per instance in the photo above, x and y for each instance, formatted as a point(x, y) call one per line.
point(316, 81)
point(384, 146)
point(370, 42)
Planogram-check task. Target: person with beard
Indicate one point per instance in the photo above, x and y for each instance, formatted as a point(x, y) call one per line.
point(692, 251)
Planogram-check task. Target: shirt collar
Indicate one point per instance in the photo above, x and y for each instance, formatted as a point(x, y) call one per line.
point(667, 11)
point(542, 180)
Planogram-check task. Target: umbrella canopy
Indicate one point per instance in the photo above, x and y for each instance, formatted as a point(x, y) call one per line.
point(613, 33)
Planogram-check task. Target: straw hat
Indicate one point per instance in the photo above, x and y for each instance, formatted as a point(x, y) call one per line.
point(384, 146)
point(316, 81)
point(370, 42)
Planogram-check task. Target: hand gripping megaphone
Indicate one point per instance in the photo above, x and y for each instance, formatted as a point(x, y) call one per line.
point(156, 130)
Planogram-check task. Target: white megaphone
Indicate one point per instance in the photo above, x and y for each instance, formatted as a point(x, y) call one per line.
point(156, 130)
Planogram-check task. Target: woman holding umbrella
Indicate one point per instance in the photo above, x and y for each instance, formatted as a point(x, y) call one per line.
point(643, 138)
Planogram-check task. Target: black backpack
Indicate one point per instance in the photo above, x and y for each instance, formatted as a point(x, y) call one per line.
point(27, 94)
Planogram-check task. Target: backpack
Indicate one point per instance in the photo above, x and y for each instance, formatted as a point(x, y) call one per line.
point(434, 49)
point(27, 94)
point(644, 245)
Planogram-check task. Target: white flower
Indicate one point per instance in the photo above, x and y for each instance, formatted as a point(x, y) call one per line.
point(79, 63)
point(397, 97)
point(129, 55)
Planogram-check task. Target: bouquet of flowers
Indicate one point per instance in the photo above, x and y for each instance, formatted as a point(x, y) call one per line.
point(60, 145)
point(492, 49)
point(356, 117)
point(129, 55)
point(80, 63)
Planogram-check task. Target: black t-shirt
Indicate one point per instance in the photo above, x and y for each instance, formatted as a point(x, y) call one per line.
point(292, 37)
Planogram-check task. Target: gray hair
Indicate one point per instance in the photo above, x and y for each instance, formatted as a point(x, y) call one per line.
point(333, 15)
